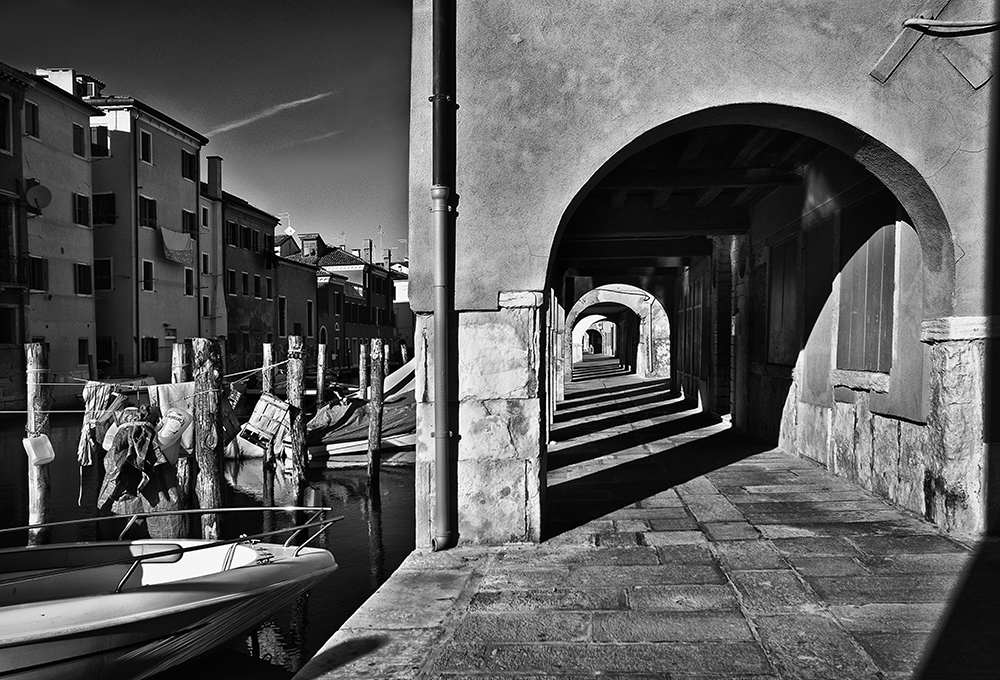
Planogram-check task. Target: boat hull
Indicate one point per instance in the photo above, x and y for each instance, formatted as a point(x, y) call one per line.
point(145, 630)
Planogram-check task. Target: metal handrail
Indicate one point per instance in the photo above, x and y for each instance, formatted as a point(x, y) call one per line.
point(166, 513)
point(180, 550)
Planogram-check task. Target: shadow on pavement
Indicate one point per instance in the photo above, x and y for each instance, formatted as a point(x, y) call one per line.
point(575, 502)
point(967, 642)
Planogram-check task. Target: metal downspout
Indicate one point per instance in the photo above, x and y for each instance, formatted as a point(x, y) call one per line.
point(442, 98)
point(136, 262)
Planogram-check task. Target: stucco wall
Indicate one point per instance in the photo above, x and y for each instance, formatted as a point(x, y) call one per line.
point(548, 92)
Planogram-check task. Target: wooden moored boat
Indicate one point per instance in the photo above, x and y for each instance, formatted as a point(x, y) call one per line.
point(131, 609)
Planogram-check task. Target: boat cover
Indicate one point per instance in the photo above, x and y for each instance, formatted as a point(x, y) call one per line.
point(335, 423)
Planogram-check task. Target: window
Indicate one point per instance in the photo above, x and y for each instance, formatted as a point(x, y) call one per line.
point(204, 216)
point(232, 233)
point(256, 286)
point(338, 301)
point(268, 243)
point(204, 264)
point(297, 328)
point(170, 334)
point(245, 278)
point(188, 282)
point(81, 209)
point(189, 166)
point(6, 124)
point(231, 282)
point(82, 351)
point(104, 209)
point(103, 279)
point(99, 142)
point(189, 223)
point(309, 318)
point(84, 277)
point(31, 119)
point(38, 273)
point(147, 212)
point(246, 342)
point(147, 275)
point(867, 284)
point(79, 143)
point(244, 237)
point(269, 288)
point(282, 317)
point(255, 240)
point(206, 308)
point(149, 349)
point(145, 147)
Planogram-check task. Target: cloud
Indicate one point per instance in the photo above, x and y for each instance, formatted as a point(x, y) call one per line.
point(317, 138)
point(268, 112)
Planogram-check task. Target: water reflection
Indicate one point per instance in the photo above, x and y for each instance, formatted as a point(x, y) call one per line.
point(377, 532)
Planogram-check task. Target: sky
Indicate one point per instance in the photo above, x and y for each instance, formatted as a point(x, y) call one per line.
point(307, 101)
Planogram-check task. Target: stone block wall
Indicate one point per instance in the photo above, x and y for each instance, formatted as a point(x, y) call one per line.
point(500, 464)
point(934, 469)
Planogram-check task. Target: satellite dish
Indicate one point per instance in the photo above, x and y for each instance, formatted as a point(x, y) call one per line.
point(38, 196)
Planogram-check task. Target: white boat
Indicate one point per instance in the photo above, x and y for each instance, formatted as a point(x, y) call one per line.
point(131, 609)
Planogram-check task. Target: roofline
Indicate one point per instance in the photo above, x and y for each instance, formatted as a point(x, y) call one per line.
point(112, 101)
point(233, 199)
point(88, 108)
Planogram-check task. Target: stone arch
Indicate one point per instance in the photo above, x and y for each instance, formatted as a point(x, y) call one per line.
point(654, 326)
point(579, 331)
point(596, 340)
point(889, 167)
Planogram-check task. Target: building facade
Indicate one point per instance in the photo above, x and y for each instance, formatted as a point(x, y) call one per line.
point(60, 311)
point(811, 204)
point(147, 235)
point(368, 295)
point(13, 237)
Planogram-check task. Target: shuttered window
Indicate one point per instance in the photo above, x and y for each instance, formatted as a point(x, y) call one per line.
point(867, 285)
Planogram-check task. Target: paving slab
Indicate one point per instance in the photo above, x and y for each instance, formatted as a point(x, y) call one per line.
point(698, 554)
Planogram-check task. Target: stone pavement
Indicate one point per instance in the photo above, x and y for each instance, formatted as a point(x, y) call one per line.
point(677, 549)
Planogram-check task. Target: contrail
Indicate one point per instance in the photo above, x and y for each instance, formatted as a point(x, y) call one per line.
point(311, 139)
point(267, 113)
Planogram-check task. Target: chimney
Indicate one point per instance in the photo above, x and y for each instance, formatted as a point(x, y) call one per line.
point(388, 258)
point(215, 177)
point(368, 250)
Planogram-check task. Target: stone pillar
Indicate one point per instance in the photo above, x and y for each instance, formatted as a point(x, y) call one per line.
point(501, 471)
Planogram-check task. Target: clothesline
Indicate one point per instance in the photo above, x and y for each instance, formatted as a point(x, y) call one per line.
point(81, 382)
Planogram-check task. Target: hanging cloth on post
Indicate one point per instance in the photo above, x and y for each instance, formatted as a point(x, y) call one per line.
point(177, 246)
point(96, 396)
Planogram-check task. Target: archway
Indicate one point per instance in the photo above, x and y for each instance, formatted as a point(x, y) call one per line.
point(652, 348)
point(797, 263)
point(595, 343)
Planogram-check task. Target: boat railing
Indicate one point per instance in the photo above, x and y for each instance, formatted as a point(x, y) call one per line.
point(320, 525)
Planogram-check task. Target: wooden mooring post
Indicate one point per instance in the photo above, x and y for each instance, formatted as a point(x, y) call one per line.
point(362, 370)
point(296, 387)
point(208, 431)
point(269, 463)
point(180, 371)
point(320, 374)
point(375, 414)
point(39, 399)
point(404, 352)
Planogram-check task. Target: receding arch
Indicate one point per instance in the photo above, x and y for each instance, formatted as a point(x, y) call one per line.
point(888, 166)
point(654, 326)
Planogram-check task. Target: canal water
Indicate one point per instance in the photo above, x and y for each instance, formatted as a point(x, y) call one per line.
point(368, 545)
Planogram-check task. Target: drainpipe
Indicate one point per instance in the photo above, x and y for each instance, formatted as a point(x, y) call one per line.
point(136, 262)
point(444, 532)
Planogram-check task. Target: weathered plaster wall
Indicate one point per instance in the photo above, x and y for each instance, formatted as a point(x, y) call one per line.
point(549, 92)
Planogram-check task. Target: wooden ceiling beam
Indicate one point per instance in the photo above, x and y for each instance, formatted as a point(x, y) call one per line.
point(718, 178)
point(649, 222)
point(611, 248)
